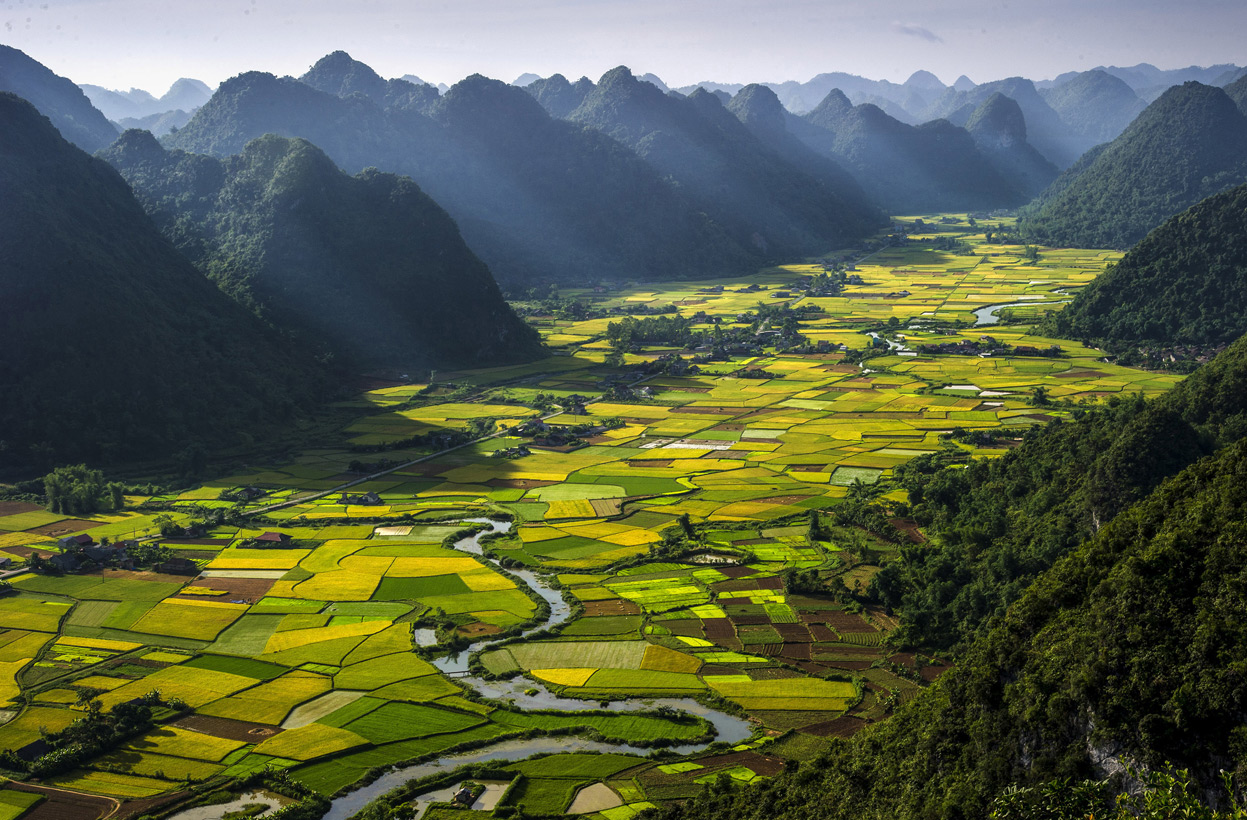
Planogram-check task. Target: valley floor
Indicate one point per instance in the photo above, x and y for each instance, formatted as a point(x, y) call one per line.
point(673, 504)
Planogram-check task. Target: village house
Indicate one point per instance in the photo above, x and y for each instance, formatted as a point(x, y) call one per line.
point(368, 499)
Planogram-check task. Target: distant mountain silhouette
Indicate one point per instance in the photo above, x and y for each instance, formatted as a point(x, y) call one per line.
point(368, 268)
point(1189, 144)
point(57, 98)
point(159, 124)
point(184, 95)
point(1057, 141)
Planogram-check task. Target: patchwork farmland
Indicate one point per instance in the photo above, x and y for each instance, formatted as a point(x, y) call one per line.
point(712, 511)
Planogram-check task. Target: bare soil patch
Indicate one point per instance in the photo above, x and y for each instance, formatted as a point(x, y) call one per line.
point(15, 507)
point(228, 728)
point(66, 527)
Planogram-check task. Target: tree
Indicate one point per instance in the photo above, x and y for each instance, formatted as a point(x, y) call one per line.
point(815, 531)
point(686, 524)
point(75, 489)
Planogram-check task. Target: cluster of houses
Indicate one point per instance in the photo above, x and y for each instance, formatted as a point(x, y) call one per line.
point(81, 551)
point(1183, 353)
point(548, 435)
point(272, 539)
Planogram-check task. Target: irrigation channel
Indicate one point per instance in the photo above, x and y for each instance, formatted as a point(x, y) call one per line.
point(730, 729)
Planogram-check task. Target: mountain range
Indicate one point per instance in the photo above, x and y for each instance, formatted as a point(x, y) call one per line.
point(538, 198)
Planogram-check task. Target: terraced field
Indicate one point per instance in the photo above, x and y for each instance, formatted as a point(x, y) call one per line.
point(686, 498)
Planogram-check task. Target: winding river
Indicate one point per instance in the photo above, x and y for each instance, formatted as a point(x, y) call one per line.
point(987, 315)
point(728, 728)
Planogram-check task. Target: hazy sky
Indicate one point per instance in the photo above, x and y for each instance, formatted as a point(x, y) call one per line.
point(150, 43)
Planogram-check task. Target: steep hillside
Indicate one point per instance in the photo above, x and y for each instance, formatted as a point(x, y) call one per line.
point(57, 98)
point(999, 524)
point(757, 196)
point(1237, 92)
point(1184, 284)
point(998, 128)
point(1189, 144)
point(115, 346)
point(365, 267)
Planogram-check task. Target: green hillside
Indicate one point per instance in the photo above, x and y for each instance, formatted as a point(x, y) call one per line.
point(1184, 284)
point(1189, 144)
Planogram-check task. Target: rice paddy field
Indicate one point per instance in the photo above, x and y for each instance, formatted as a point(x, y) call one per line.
point(302, 655)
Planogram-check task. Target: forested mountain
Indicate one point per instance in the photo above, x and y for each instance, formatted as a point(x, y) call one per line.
point(557, 95)
point(1185, 283)
point(537, 198)
point(759, 109)
point(57, 98)
point(998, 128)
point(1045, 129)
point(115, 346)
point(368, 268)
point(1097, 105)
point(1128, 650)
point(907, 169)
point(756, 195)
point(1189, 144)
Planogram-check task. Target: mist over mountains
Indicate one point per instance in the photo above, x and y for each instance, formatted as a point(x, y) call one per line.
point(535, 196)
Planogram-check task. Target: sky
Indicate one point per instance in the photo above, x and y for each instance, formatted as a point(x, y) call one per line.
point(150, 43)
